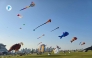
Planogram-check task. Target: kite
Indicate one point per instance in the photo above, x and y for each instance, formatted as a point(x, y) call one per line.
point(56, 50)
point(20, 28)
point(42, 24)
point(74, 38)
point(41, 36)
point(64, 34)
point(19, 16)
point(31, 5)
point(79, 43)
point(55, 29)
point(15, 47)
point(23, 24)
point(40, 43)
point(58, 47)
point(83, 43)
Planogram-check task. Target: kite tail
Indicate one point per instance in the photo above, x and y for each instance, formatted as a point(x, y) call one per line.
point(38, 27)
point(52, 30)
point(60, 36)
point(21, 9)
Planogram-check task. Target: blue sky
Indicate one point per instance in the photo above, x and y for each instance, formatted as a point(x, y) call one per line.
point(73, 16)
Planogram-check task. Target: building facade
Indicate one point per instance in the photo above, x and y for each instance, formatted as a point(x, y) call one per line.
point(3, 48)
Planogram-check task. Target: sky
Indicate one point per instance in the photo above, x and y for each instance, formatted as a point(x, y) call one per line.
point(73, 16)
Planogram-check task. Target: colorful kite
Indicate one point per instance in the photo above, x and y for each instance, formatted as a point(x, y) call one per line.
point(40, 36)
point(64, 34)
point(42, 24)
point(83, 43)
point(15, 47)
point(55, 29)
point(31, 5)
point(19, 16)
point(74, 38)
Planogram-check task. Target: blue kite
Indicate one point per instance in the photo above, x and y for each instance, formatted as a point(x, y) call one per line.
point(64, 34)
point(79, 43)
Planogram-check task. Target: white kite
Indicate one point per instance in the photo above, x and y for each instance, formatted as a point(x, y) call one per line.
point(56, 50)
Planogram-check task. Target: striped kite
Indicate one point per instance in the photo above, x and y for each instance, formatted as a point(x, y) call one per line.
point(40, 43)
point(40, 36)
point(31, 5)
point(55, 29)
point(42, 24)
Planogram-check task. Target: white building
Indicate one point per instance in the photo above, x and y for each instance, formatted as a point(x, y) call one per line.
point(3, 48)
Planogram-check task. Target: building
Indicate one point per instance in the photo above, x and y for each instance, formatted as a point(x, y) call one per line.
point(25, 50)
point(3, 48)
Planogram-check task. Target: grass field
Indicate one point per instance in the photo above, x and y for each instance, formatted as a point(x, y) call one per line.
point(60, 55)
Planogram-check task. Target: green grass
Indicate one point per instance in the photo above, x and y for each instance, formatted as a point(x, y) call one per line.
point(60, 55)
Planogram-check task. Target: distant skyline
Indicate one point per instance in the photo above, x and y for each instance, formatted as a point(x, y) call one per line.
point(73, 16)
